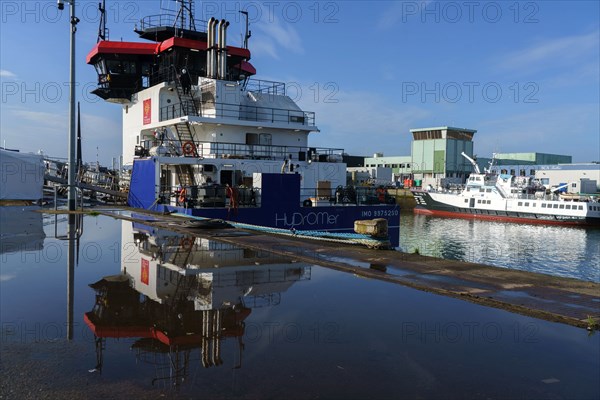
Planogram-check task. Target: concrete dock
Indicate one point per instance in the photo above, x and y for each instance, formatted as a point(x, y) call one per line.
point(565, 300)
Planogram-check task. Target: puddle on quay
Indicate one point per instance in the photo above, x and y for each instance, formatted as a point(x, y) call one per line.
point(164, 311)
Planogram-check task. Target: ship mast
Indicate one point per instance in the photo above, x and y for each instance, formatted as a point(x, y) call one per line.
point(102, 30)
point(187, 7)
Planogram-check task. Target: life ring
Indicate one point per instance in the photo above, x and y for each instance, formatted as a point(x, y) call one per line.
point(186, 243)
point(188, 148)
point(182, 195)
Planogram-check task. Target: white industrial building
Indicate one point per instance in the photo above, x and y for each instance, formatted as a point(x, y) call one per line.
point(579, 178)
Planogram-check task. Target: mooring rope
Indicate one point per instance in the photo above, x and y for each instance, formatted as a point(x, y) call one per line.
point(335, 237)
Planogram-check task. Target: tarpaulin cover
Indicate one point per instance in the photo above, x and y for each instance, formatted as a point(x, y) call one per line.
point(21, 176)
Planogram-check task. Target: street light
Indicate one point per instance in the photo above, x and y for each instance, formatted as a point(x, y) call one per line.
point(71, 177)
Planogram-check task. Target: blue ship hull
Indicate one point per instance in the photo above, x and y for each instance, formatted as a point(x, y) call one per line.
point(279, 207)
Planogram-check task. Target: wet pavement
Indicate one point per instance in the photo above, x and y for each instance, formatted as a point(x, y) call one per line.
point(157, 313)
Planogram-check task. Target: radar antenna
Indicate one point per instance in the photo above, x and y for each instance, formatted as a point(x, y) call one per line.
point(186, 10)
point(248, 32)
point(102, 30)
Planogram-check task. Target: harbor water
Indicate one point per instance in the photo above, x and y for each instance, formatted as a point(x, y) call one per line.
point(572, 252)
point(246, 324)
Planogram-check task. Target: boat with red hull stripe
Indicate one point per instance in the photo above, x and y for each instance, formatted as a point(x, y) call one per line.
point(507, 198)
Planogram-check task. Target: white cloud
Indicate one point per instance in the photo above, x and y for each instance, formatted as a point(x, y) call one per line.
point(569, 129)
point(363, 123)
point(565, 51)
point(401, 12)
point(30, 131)
point(45, 120)
point(7, 74)
point(271, 36)
point(7, 277)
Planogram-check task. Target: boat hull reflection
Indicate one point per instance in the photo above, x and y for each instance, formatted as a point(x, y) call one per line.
point(180, 296)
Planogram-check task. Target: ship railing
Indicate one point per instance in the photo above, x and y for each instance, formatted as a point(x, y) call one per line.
point(209, 195)
point(261, 276)
point(345, 195)
point(263, 86)
point(226, 150)
point(171, 20)
point(177, 110)
point(269, 152)
point(240, 112)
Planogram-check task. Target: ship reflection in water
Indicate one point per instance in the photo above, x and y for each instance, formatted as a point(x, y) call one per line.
point(182, 296)
point(170, 313)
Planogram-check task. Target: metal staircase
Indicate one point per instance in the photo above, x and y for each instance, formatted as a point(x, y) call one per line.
point(186, 140)
point(185, 174)
point(187, 106)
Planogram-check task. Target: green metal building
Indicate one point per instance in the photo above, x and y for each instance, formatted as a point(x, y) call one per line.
point(436, 154)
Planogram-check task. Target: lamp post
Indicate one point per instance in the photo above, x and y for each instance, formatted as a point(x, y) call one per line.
point(72, 146)
point(72, 173)
point(72, 166)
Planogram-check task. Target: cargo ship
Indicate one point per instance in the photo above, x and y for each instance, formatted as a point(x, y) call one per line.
point(205, 138)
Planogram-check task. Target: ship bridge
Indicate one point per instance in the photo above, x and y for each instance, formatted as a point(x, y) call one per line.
point(125, 68)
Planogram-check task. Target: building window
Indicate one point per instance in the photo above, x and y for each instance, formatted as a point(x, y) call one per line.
point(512, 172)
point(532, 172)
point(520, 203)
point(568, 207)
point(543, 205)
point(526, 204)
point(562, 206)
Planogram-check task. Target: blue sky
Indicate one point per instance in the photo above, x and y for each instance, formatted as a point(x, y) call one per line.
point(524, 74)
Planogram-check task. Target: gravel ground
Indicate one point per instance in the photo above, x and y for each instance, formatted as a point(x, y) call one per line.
point(53, 370)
